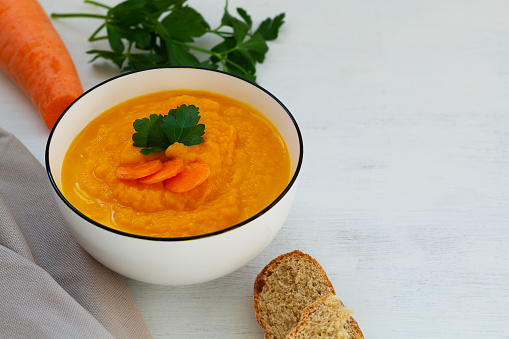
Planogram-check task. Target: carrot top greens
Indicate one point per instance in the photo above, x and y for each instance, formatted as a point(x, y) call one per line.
point(158, 132)
point(148, 33)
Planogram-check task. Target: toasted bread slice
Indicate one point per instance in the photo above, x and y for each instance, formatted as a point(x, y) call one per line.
point(326, 318)
point(286, 286)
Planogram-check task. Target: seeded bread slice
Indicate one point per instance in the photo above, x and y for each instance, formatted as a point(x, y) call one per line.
point(286, 286)
point(326, 318)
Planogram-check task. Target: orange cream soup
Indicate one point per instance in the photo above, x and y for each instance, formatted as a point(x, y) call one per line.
point(248, 158)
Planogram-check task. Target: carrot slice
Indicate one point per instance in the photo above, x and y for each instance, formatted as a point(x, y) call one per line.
point(171, 168)
point(34, 56)
point(193, 175)
point(139, 171)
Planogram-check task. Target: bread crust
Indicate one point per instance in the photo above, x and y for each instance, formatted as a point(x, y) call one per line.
point(351, 326)
point(267, 271)
point(354, 329)
point(261, 282)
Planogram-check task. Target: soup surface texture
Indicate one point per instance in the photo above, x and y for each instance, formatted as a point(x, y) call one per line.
point(248, 159)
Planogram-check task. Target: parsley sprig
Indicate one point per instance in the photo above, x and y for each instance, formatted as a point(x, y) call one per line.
point(148, 33)
point(158, 132)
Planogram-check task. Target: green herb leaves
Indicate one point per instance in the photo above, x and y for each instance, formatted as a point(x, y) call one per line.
point(158, 132)
point(150, 134)
point(148, 33)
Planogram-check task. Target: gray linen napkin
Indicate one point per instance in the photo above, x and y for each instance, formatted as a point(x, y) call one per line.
point(49, 286)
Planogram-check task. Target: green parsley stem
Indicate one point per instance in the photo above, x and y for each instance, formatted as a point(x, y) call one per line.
point(220, 56)
point(78, 15)
point(84, 15)
point(94, 36)
point(97, 4)
point(222, 34)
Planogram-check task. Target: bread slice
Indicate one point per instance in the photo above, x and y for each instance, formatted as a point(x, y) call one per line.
point(326, 318)
point(286, 286)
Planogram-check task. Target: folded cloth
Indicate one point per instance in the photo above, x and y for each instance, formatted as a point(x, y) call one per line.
point(49, 286)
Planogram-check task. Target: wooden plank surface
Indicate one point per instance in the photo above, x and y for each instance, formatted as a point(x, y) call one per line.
point(404, 192)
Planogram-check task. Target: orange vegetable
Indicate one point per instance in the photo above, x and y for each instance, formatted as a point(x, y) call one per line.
point(193, 175)
point(139, 171)
point(34, 56)
point(171, 168)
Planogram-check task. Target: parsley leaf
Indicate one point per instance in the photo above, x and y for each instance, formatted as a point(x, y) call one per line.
point(158, 132)
point(184, 24)
point(149, 134)
point(269, 28)
point(181, 125)
point(151, 33)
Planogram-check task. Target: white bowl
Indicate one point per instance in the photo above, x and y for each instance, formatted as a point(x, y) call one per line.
point(173, 261)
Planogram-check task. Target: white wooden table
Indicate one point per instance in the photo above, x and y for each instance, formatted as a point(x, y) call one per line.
point(404, 192)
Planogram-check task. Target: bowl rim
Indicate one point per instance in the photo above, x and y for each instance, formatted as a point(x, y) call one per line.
point(187, 238)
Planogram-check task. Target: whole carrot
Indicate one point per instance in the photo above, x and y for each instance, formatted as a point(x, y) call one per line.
point(34, 56)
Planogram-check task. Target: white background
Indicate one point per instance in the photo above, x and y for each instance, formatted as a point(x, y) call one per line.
point(404, 192)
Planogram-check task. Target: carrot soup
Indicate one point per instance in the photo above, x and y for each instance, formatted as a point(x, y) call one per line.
point(236, 168)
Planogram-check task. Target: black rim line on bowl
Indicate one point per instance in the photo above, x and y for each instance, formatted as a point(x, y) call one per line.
point(235, 226)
